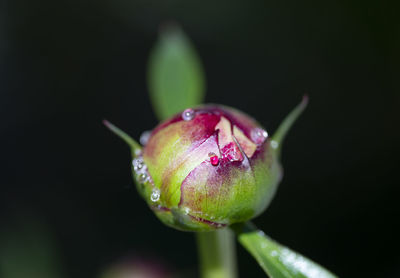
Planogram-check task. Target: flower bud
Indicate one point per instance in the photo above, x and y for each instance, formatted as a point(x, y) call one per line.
point(208, 167)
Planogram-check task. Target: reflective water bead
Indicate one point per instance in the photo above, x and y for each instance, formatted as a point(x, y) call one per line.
point(274, 144)
point(258, 135)
point(144, 138)
point(143, 177)
point(188, 114)
point(137, 164)
point(155, 195)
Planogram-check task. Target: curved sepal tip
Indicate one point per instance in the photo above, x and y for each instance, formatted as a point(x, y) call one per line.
point(287, 123)
point(135, 147)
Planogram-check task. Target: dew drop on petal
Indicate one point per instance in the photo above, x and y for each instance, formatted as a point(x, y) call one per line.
point(155, 195)
point(144, 138)
point(143, 177)
point(188, 114)
point(258, 135)
point(137, 164)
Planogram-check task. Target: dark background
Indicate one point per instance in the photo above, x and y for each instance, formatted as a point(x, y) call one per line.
point(66, 65)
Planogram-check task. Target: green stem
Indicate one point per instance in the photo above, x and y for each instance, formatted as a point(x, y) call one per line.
point(217, 254)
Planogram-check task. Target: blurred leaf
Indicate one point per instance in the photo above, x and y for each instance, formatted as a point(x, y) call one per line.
point(27, 250)
point(278, 261)
point(175, 74)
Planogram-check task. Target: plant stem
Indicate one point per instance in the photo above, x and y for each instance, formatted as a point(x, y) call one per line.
point(217, 254)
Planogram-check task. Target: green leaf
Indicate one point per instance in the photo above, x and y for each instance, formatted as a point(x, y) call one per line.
point(278, 261)
point(175, 75)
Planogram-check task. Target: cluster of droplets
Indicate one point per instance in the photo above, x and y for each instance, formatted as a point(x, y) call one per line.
point(142, 176)
point(140, 170)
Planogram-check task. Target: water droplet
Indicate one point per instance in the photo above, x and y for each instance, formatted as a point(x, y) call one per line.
point(143, 177)
point(260, 233)
point(274, 144)
point(263, 245)
point(274, 253)
point(155, 195)
point(188, 114)
point(137, 164)
point(214, 160)
point(258, 135)
point(186, 210)
point(144, 138)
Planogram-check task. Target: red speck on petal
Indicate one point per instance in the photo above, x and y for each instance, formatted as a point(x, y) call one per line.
point(214, 160)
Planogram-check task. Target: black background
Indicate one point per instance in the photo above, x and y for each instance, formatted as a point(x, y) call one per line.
point(66, 65)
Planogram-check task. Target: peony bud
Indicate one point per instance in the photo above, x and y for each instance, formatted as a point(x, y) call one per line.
point(207, 168)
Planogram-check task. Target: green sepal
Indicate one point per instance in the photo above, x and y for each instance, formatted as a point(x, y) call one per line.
point(275, 259)
point(287, 123)
point(134, 146)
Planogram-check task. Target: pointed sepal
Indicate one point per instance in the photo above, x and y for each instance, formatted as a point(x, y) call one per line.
point(287, 123)
point(135, 146)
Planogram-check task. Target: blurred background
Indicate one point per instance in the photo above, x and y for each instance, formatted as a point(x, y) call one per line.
point(66, 187)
